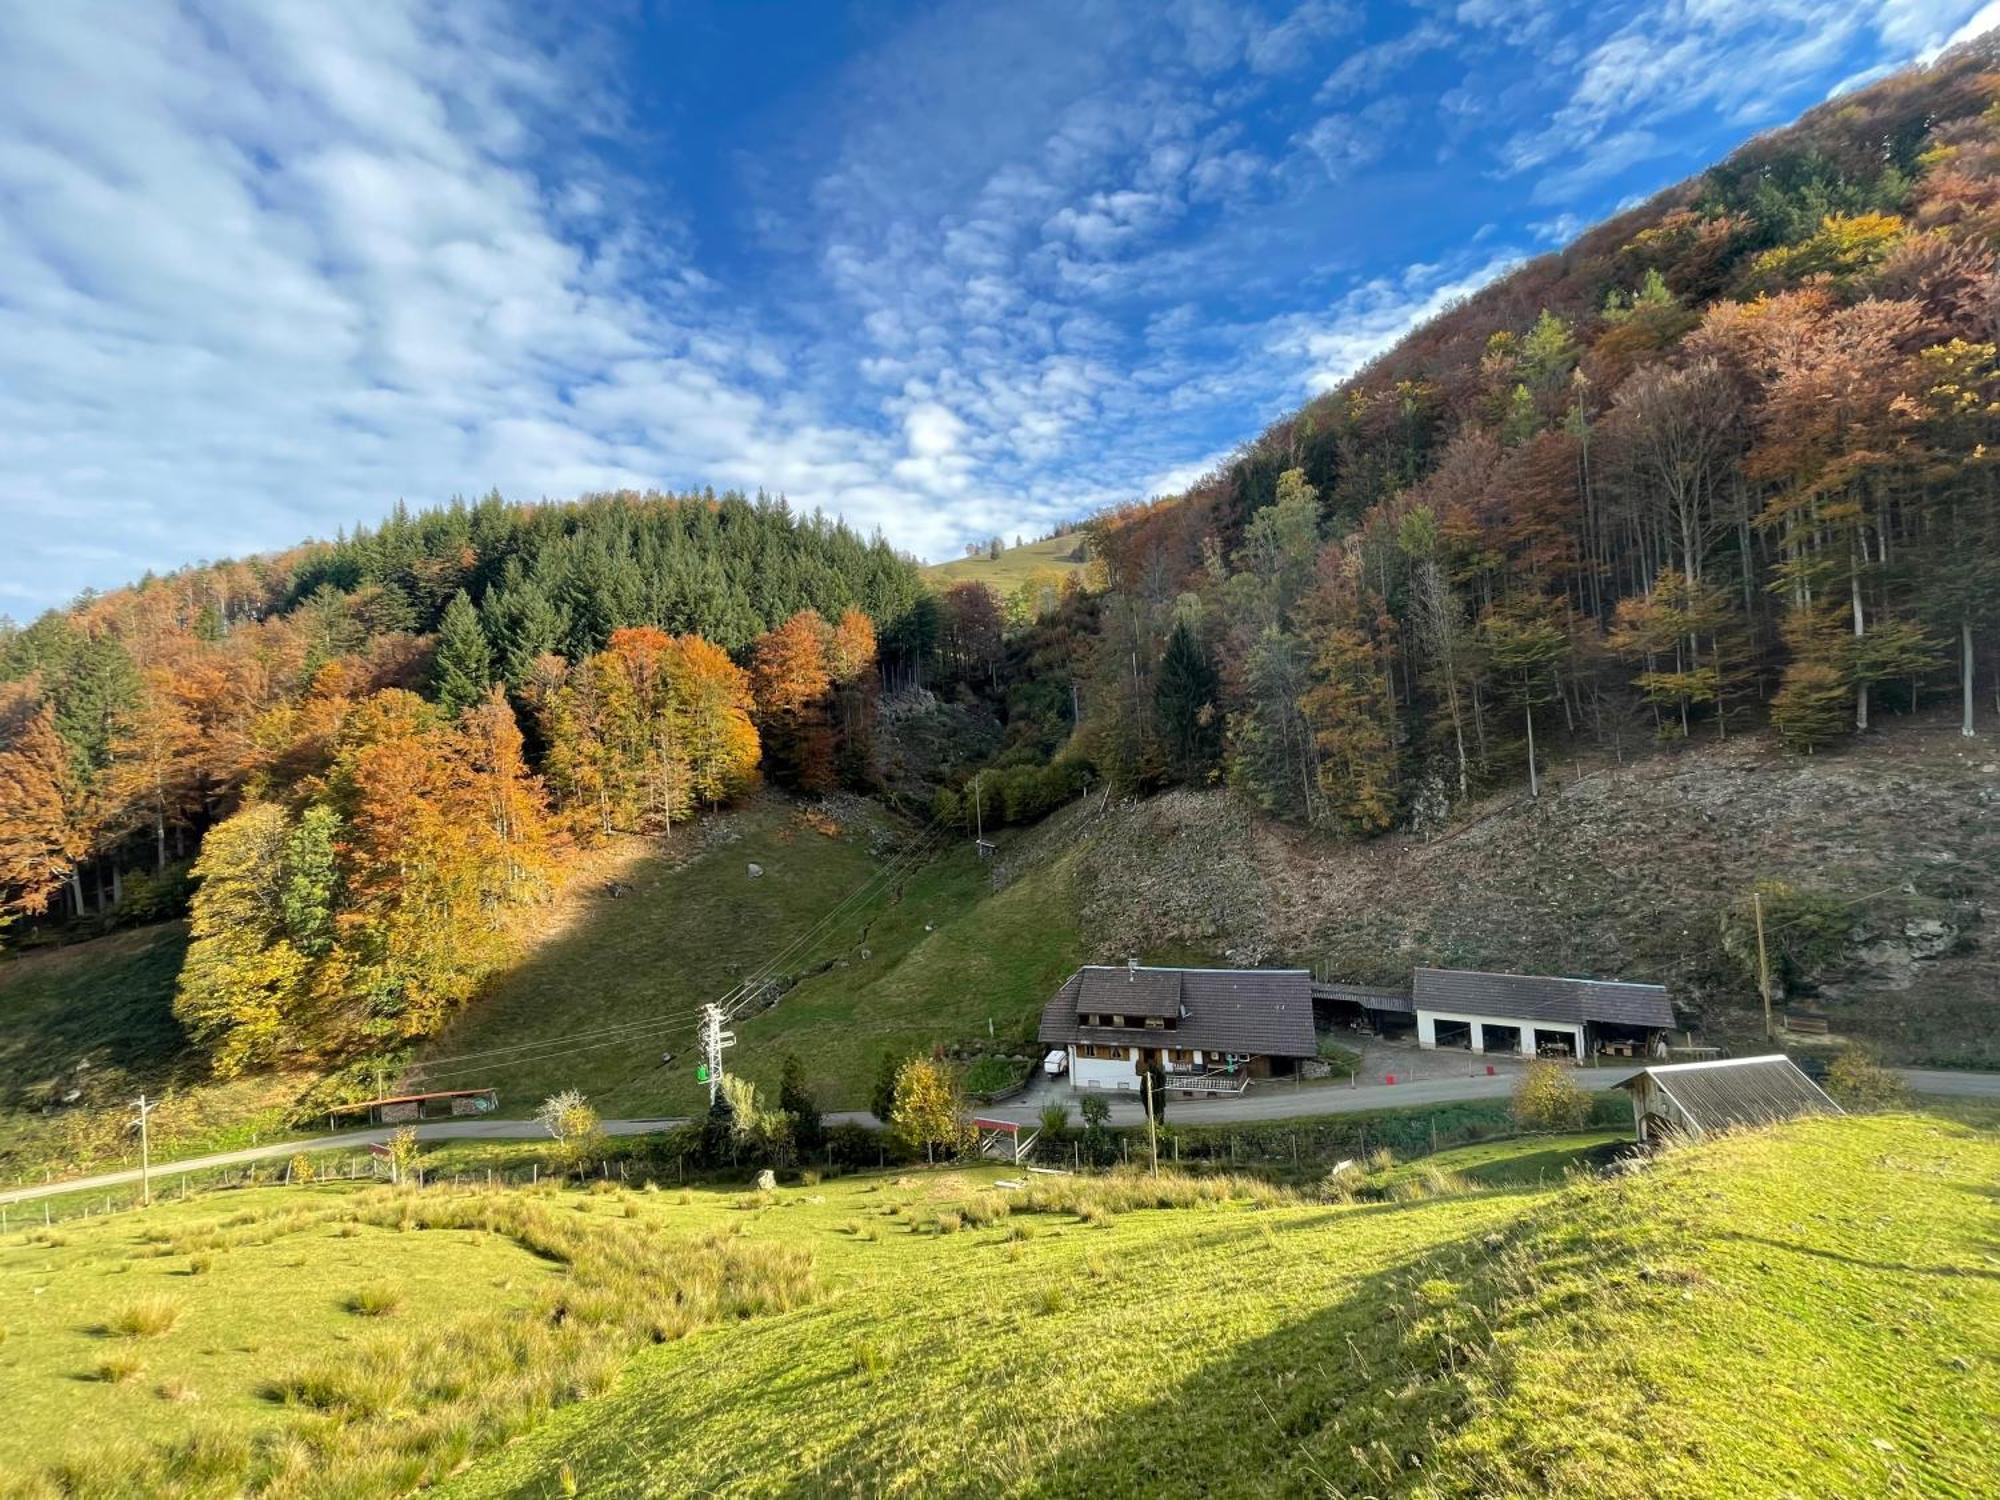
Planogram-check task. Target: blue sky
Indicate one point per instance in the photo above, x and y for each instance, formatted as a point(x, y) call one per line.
point(945, 269)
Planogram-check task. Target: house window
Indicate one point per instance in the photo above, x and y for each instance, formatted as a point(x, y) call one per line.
point(1117, 1020)
point(1156, 1023)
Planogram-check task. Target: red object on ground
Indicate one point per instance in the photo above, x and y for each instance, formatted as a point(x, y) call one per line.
point(1388, 1077)
point(1489, 1070)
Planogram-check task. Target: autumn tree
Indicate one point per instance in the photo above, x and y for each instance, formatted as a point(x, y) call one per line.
point(791, 684)
point(1524, 647)
point(45, 829)
point(1350, 703)
point(851, 665)
point(154, 772)
point(927, 1113)
point(244, 990)
point(712, 696)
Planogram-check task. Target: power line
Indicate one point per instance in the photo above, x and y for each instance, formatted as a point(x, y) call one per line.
point(426, 1064)
point(751, 985)
point(1837, 906)
point(663, 1027)
point(736, 998)
point(747, 989)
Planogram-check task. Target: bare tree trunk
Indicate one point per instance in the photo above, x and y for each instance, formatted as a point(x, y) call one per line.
point(1965, 674)
point(1534, 779)
point(1860, 630)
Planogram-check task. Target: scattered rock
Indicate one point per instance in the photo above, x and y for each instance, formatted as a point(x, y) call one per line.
point(755, 870)
point(767, 1180)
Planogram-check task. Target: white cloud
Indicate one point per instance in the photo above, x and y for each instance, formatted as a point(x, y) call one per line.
point(1738, 59)
point(1370, 317)
point(271, 270)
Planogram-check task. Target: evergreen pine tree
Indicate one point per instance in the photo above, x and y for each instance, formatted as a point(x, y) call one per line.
point(1184, 704)
point(464, 667)
point(796, 1099)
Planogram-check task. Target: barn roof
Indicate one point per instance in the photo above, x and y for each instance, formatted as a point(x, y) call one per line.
point(1262, 1011)
point(1738, 1091)
point(1543, 997)
point(1368, 996)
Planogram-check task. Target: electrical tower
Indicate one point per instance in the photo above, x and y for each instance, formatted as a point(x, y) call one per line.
point(713, 1040)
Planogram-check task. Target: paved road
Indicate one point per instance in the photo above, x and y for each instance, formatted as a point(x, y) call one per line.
point(1274, 1101)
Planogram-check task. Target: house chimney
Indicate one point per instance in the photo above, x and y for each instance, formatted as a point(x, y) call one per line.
point(1131, 968)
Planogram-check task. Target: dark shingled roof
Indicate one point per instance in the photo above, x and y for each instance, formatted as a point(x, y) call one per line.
point(1266, 1012)
point(1738, 1091)
point(1538, 997)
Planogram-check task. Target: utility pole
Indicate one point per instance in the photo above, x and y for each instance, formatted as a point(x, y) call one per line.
point(145, 1151)
point(1152, 1125)
point(713, 1040)
point(1763, 964)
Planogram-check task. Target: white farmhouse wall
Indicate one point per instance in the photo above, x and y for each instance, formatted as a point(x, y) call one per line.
point(1103, 1072)
point(1427, 1021)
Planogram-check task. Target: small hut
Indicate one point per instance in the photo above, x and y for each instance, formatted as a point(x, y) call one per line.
point(1692, 1099)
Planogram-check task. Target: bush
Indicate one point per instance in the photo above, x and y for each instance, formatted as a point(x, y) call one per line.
point(1857, 1080)
point(1055, 1123)
point(574, 1125)
point(377, 1300)
point(991, 1075)
point(116, 1369)
point(1547, 1098)
point(147, 1318)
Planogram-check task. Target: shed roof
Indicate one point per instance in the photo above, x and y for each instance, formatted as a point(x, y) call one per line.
point(1266, 1012)
point(1543, 997)
point(1738, 1091)
point(1368, 996)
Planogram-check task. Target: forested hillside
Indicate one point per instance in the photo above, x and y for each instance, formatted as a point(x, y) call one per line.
point(364, 752)
point(1724, 462)
point(1722, 467)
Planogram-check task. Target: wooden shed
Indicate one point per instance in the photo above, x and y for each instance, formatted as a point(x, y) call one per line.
point(1692, 1099)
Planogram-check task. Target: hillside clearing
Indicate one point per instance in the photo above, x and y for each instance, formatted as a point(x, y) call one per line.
point(1014, 566)
point(926, 959)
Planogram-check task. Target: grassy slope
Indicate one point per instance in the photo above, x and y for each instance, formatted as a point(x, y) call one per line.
point(240, 1322)
point(684, 933)
point(1814, 1310)
point(109, 1002)
point(1012, 567)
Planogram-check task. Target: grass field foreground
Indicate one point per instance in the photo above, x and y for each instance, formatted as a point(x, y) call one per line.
point(337, 1340)
point(1809, 1310)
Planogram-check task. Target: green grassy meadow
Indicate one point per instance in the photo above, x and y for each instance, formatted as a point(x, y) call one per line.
point(929, 959)
point(1013, 567)
point(1809, 1310)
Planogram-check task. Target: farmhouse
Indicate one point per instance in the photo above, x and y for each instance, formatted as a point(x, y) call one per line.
point(1694, 1098)
point(1538, 1015)
point(1211, 1030)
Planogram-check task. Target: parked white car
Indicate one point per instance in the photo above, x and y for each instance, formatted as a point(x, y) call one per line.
point(1056, 1063)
